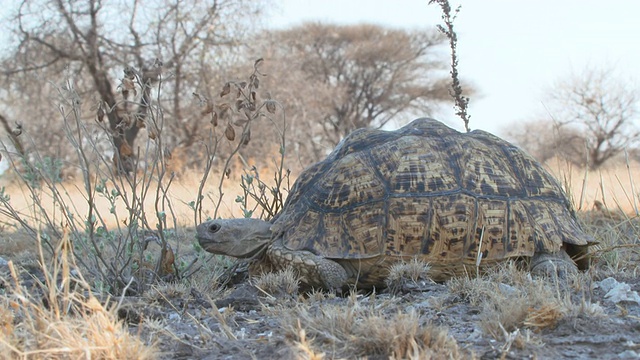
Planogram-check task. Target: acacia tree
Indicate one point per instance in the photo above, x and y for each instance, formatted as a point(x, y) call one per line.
point(602, 108)
point(550, 140)
point(339, 78)
point(101, 41)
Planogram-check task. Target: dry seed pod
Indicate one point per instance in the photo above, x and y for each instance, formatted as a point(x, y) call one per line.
point(126, 149)
point(225, 89)
point(271, 106)
point(18, 129)
point(214, 118)
point(227, 173)
point(128, 85)
point(239, 104)
point(239, 122)
point(223, 113)
point(100, 114)
point(208, 109)
point(167, 261)
point(230, 133)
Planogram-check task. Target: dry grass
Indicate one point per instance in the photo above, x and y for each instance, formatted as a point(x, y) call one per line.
point(182, 193)
point(283, 283)
point(362, 327)
point(61, 319)
point(613, 185)
point(414, 271)
point(512, 303)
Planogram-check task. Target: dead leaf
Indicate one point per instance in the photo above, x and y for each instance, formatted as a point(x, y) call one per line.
point(230, 133)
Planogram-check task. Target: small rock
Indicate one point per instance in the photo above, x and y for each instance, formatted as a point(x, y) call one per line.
point(242, 298)
point(607, 284)
point(628, 354)
point(508, 289)
point(622, 293)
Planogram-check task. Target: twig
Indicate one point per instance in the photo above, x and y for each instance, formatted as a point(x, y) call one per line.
point(461, 102)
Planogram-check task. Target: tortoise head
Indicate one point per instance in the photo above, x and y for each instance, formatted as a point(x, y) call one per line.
point(241, 238)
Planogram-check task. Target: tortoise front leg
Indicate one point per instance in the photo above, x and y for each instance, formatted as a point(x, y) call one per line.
point(314, 270)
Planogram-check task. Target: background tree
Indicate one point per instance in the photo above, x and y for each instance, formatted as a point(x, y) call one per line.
point(335, 79)
point(546, 139)
point(604, 107)
point(120, 51)
point(595, 114)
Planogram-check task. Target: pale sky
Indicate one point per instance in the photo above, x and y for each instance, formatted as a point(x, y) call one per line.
point(512, 50)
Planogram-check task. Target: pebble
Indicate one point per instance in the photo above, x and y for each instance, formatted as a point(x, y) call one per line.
point(628, 354)
point(617, 292)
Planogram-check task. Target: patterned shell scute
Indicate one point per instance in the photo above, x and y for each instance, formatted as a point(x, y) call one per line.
point(426, 190)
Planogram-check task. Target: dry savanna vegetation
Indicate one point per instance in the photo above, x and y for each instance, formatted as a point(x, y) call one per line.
point(126, 125)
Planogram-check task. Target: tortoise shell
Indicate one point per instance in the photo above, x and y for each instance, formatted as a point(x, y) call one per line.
point(430, 191)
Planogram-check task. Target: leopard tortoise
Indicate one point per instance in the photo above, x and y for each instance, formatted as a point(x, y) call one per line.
point(424, 191)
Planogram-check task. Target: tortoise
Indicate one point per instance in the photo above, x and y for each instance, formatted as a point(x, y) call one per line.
point(424, 191)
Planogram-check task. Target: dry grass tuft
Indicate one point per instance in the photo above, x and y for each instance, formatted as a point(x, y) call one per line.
point(304, 347)
point(65, 321)
point(511, 300)
point(400, 273)
point(356, 329)
point(545, 316)
point(283, 283)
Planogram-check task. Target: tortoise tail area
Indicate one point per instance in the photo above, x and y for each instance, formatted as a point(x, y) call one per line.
point(555, 224)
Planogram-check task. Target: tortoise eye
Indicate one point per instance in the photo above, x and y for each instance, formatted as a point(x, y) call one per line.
point(214, 228)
